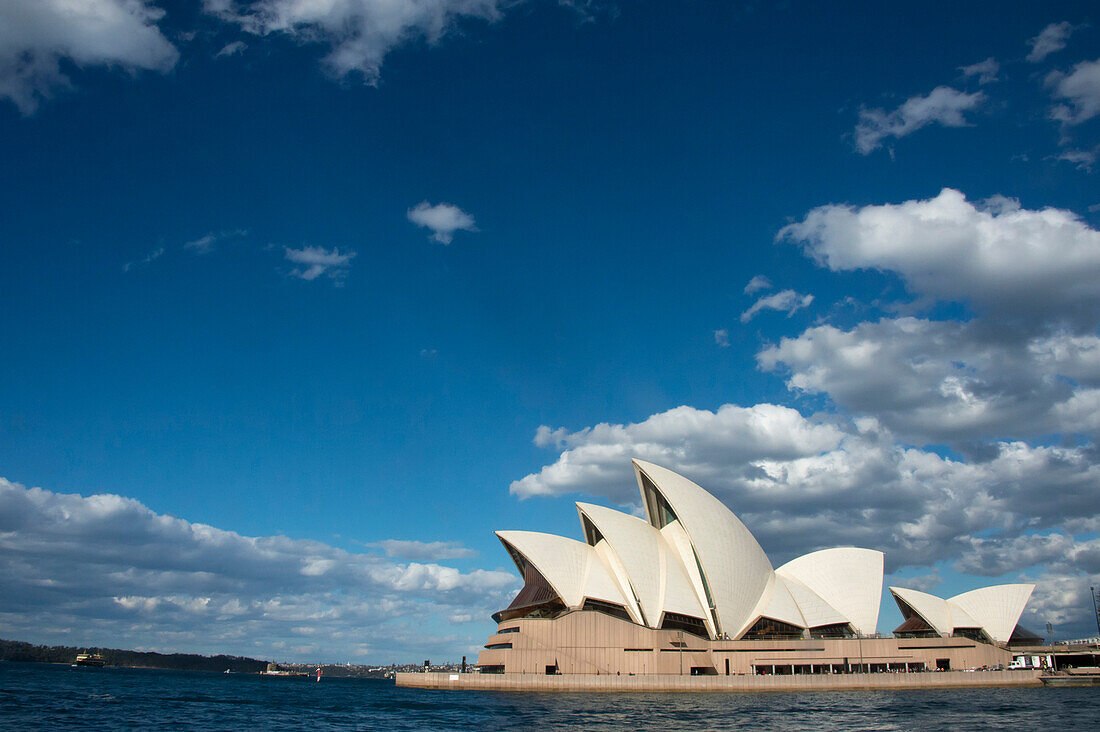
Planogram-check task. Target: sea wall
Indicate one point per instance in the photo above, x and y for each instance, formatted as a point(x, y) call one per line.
point(756, 683)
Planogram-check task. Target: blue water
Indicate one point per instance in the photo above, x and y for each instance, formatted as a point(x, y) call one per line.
point(39, 696)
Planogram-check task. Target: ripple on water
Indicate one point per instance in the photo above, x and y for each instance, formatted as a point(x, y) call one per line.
point(38, 695)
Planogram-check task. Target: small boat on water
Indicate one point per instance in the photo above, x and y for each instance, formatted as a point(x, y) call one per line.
point(94, 660)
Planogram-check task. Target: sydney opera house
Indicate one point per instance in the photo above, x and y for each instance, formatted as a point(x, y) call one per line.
point(688, 590)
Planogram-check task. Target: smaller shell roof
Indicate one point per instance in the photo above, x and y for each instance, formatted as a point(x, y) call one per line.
point(932, 609)
point(782, 606)
point(570, 567)
point(997, 609)
point(815, 610)
point(848, 579)
point(639, 547)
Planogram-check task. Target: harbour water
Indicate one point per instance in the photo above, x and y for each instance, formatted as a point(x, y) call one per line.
point(41, 696)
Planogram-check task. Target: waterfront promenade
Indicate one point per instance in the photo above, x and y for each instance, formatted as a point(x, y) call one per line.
point(746, 683)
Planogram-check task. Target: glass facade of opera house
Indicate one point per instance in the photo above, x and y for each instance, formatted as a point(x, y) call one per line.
point(689, 590)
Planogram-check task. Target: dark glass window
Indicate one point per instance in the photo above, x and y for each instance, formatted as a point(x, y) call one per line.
point(769, 628)
point(839, 630)
point(607, 608)
point(686, 623)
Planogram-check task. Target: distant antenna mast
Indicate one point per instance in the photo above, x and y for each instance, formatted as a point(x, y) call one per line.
point(1095, 609)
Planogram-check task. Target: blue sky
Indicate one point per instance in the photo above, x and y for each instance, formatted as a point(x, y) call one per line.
point(414, 272)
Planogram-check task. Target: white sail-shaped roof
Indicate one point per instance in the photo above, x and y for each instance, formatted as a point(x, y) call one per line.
point(933, 610)
point(601, 584)
point(997, 609)
point(638, 547)
point(960, 618)
point(848, 579)
point(815, 610)
point(652, 574)
point(684, 593)
point(781, 606)
point(571, 567)
point(735, 569)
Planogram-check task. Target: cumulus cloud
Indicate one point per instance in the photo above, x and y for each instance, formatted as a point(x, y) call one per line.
point(946, 381)
point(596, 460)
point(998, 556)
point(722, 338)
point(943, 105)
point(318, 261)
point(36, 36)
point(423, 550)
point(1061, 598)
point(757, 283)
point(1079, 92)
point(108, 567)
point(1050, 40)
point(444, 219)
point(986, 71)
point(1029, 264)
point(785, 301)
point(358, 33)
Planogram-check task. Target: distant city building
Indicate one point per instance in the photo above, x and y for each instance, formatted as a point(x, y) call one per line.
point(689, 587)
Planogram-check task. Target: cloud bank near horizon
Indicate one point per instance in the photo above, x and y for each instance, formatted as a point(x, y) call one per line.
point(77, 569)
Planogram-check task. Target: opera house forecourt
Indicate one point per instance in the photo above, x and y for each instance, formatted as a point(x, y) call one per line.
point(686, 598)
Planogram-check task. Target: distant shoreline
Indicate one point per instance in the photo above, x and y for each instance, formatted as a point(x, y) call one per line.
point(21, 651)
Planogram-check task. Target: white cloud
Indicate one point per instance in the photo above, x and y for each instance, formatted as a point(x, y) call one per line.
point(597, 459)
point(205, 244)
point(150, 257)
point(1079, 90)
point(423, 550)
point(943, 105)
point(998, 556)
point(318, 261)
point(722, 338)
point(785, 301)
point(757, 283)
point(1061, 598)
point(1030, 264)
point(232, 49)
point(1051, 39)
point(946, 381)
point(1082, 159)
point(360, 33)
point(116, 570)
point(986, 71)
point(444, 219)
point(37, 35)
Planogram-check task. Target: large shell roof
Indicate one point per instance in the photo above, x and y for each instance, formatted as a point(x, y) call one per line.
point(735, 569)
